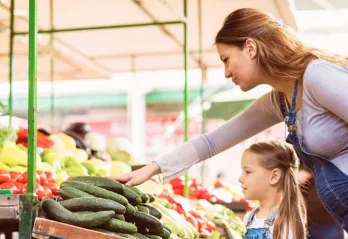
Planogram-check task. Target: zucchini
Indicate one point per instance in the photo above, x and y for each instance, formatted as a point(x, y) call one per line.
point(143, 209)
point(120, 217)
point(167, 228)
point(151, 197)
point(132, 197)
point(140, 236)
point(102, 182)
point(58, 213)
point(69, 192)
point(152, 236)
point(96, 191)
point(134, 189)
point(153, 211)
point(93, 204)
point(115, 225)
point(145, 198)
point(159, 232)
point(143, 220)
point(130, 210)
point(83, 213)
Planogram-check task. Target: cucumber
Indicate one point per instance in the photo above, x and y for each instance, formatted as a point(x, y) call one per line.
point(134, 189)
point(144, 220)
point(143, 209)
point(96, 191)
point(83, 213)
point(153, 211)
point(69, 192)
point(130, 210)
point(152, 236)
point(115, 225)
point(105, 231)
point(145, 198)
point(132, 197)
point(120, 217)
point(140, 236)
point(159, 232)
point(93, 204)
point(167, 228)
point(58, 213)
point(101, 182)
point(151, 197)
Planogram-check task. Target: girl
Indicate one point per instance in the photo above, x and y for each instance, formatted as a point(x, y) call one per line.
point(269, 172)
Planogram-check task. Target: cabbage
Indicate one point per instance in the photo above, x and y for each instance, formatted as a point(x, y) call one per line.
point(120, 149)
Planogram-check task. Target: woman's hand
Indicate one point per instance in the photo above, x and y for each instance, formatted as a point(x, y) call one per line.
point(139, 176)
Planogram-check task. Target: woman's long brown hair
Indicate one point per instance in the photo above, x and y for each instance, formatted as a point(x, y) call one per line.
point(292, 209)
point(279, 51)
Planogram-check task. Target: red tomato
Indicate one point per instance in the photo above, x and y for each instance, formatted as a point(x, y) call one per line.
point(14, 175)
point(191, 219)
point(24, 178)
point(210, 226)
point(43, 178)
point(11, 186)
point(54, 188)
point(4, 177)
point(19, 186)
point(51, 178)
point(47, 192)
point(24, 189)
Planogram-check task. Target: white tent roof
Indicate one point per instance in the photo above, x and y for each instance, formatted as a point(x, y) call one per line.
point(100, 53)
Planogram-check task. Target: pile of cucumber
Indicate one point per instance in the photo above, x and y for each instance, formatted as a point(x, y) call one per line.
point(107, 206)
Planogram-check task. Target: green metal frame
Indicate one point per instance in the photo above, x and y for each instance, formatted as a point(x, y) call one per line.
point(29, 201)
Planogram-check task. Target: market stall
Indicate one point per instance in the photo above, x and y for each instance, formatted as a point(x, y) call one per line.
point(37, 167)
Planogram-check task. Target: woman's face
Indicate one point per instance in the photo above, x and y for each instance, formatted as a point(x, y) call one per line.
point(241, 64)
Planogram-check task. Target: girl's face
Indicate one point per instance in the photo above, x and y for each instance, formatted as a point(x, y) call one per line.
point(241, 64)
point(255, 179)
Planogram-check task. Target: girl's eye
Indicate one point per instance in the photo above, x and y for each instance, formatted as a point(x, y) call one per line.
point(225, 60)
point(247, 172)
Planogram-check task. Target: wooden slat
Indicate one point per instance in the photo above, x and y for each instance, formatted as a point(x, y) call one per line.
point(62, 230)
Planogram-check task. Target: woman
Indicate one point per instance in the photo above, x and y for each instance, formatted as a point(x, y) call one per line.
point(310, 94)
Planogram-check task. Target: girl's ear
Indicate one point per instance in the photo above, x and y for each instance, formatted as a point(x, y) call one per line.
point(275, 176)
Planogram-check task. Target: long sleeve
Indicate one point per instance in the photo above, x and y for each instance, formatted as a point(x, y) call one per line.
point(260, 115)
point(327, 84)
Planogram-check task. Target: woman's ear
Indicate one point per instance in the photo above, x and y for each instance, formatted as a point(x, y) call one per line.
point(251, 48)
point(275, 176)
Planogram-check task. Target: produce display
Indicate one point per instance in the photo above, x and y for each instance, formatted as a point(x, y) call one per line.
point(101, 204)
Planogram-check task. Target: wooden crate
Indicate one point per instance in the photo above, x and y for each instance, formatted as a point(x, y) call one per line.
point(43, 228)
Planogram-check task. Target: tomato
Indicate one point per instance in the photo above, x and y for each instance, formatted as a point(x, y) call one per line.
point(4, 177)
point(54, 188)
point(14, 175)
point(24, 178)
point(39, 189)
point(51, 178)
point(209, 226)
point(19, 186)
point(11, 186)
point(191, 219)
point(46, 193)
point(43, 178)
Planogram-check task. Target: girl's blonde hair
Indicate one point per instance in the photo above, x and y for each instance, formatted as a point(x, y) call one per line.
point(292, 209)
point(280, 53)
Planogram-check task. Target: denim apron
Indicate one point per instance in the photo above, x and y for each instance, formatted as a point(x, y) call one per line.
point(331, 182)
point(260, 233)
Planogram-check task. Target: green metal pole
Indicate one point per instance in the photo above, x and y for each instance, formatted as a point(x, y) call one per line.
point(29, 203)
point(10, 97)
point(186, 189)
point(103, 27)
point(52, 108)
point(201, 66)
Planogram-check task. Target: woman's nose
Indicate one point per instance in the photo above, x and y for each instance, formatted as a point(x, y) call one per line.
point(240, 179)
point(227, 73)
